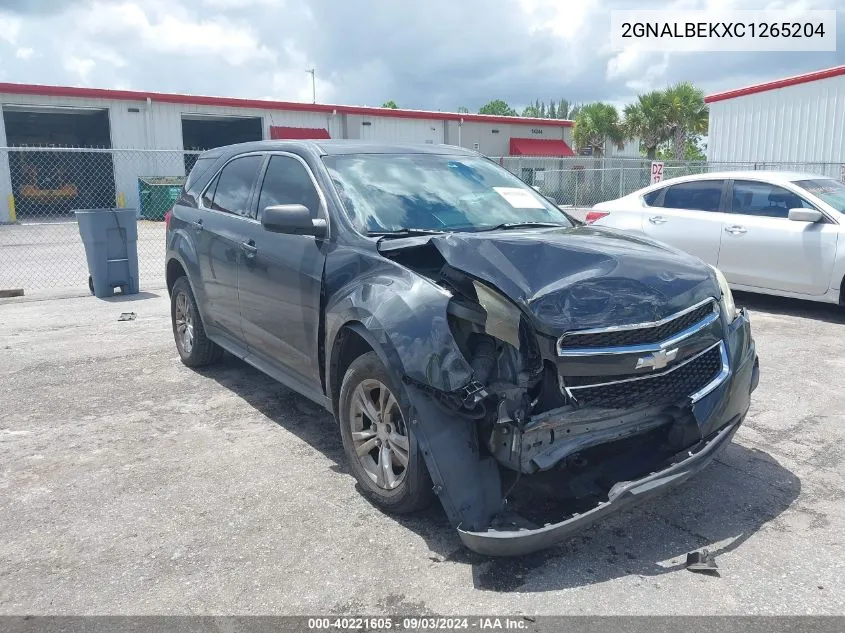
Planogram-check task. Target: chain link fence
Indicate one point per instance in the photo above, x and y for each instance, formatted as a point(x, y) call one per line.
point(40, 246)
point(585, 181)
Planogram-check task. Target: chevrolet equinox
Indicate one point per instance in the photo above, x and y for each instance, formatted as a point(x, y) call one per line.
point(473, 341)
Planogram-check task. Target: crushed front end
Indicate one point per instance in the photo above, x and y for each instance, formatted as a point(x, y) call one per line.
point(589, 390)
point(625, 433)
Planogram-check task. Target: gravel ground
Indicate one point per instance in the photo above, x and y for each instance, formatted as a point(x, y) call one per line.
point(130, 484)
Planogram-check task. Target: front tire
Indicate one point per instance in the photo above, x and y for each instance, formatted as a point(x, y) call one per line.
point(195, 348)
point(382, 451)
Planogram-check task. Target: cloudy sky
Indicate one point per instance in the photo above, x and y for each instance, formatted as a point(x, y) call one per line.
point(432, 54)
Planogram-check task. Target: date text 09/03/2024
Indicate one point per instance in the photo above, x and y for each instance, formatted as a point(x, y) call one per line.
point(482, 623)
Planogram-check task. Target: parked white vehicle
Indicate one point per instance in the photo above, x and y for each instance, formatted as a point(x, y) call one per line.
point(769, 232)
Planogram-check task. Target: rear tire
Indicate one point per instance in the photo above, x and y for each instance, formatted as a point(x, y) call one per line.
point(194, 347)
point(391, 471)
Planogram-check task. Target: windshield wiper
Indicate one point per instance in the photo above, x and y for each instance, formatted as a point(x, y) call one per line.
point(404, 233)
point(520, 225)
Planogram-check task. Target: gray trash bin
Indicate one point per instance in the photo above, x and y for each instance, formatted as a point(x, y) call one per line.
point(110, 237)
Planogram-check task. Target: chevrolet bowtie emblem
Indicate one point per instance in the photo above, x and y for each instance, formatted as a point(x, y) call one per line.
point(658, 359)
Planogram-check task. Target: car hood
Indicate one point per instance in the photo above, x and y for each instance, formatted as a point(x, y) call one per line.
point(575, 278)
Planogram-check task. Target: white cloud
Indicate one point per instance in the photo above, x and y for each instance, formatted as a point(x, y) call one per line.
point(295, 85)
point(107, 55)
point(366, 52)
point(175, 31)
point(80, 67)
point(641, 71)
point(10, 28)
point(292, 83)
point(564, 19)
point(242, 4)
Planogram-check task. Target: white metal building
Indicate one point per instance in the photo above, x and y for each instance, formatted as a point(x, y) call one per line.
point(120, 120)
point(799, 119)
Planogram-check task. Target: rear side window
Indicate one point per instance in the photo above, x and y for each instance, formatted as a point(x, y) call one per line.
point(286, 181)
point(233, 186)
point(698, 195)
point(201, 166)
point(762, 198)
point(651, 198)
point(208, 196)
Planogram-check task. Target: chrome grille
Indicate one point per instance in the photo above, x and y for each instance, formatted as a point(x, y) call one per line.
point(609, 367)
point(590, 341)
point(695, 377)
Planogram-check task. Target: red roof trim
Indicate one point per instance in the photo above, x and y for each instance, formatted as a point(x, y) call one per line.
point(539, 147)
point(780, 83)
point(279, 132)
point(234, 102)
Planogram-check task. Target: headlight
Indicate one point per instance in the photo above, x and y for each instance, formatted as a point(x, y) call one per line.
point(727, 296)
point(502, 315)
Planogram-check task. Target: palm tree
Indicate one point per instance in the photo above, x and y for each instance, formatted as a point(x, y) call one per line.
point(595, 125)
point(647, 119)
point(531, 110)
point(567, 110)
point(687, 115)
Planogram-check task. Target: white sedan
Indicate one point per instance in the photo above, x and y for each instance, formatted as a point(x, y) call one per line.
point(770, 232)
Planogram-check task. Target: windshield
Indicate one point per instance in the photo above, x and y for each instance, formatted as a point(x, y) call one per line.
point(385, 193)
point(829, 190)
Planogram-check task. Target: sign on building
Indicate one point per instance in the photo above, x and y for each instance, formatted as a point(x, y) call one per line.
point(656, 171)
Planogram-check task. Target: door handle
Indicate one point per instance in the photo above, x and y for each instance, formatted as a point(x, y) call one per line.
point(657, 219)
point(249, 248)
point(735, 229)
point(197, 225)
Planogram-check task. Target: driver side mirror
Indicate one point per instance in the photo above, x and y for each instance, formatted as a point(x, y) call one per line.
point(805, 215)
point(292, 219)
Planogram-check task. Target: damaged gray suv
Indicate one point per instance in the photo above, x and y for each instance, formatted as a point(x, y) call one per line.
point(474, 343)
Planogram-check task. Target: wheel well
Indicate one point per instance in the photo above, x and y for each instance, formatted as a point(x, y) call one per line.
point(174, 271)
point(348, 346)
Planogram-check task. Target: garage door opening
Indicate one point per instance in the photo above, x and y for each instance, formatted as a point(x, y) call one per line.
point(48, 182)
point(201, 132)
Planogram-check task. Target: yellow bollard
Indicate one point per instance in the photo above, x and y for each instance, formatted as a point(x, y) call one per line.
point(121, 200)
point(12, 216)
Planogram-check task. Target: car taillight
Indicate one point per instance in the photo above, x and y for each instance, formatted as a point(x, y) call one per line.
point(592, 216)
point(167, 219)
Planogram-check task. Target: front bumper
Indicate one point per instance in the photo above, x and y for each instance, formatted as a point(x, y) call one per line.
point(518, 542)
point(718, 414)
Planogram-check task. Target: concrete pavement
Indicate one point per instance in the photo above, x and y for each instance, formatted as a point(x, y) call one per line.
point(130, 484)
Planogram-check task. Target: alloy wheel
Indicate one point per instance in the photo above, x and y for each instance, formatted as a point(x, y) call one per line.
point(379, 434)
point(184, 322)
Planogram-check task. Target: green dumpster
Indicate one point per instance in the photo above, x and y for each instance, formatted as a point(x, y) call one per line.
point(157, 195)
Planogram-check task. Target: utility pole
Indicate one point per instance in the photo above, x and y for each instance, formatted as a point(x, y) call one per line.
point(310, 71)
